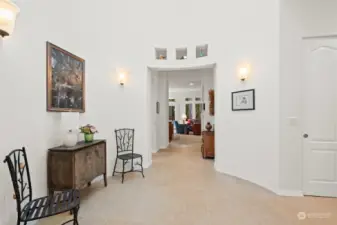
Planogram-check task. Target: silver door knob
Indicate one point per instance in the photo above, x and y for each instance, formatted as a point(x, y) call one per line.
point(305, 135)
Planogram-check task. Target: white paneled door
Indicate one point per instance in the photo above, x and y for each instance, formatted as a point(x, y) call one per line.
point(319, 70)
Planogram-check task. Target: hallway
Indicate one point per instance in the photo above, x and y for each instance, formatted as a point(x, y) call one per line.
point(181, 188)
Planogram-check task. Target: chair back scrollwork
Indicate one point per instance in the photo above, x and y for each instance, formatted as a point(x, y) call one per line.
point(19, 171)
point(124, 140)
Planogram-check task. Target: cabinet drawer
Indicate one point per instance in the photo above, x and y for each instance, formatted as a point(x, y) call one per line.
point(89, 164)
point(60, 170)
point(99, 159)
point(84, 165)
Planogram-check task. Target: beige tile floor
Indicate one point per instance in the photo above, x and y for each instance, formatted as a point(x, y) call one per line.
point(181, 188)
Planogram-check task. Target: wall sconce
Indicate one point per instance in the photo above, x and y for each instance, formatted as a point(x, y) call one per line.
point(244, 72)
point(121, 79)
point(8, 14)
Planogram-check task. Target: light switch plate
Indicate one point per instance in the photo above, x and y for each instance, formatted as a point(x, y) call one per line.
point(292, 121)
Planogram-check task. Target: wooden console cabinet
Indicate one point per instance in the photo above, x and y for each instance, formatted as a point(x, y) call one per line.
point(75, 167)
point(207, 147)
point(196, 128)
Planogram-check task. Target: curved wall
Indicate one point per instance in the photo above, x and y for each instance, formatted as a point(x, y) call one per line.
point(124, 34)
point(247, 143)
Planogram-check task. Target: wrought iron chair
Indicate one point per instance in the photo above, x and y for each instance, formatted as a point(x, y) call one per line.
point(125, 144)
point(29, 209)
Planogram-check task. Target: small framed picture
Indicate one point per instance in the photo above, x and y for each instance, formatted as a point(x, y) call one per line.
point(157, 107)
point(243, 100)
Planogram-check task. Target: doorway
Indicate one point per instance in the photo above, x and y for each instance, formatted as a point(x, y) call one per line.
point(174, 108)
point(319, 111)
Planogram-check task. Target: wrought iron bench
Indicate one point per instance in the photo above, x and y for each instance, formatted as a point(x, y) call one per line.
point(29, 209)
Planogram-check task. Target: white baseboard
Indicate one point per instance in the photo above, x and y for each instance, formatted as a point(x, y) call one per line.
point(216, 167)
point(155, 150)
point(280, 192)
point(148, 164)
point(290, 193)
point(163, 147)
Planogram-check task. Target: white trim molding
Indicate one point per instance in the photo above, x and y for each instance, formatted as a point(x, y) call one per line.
point(184, 89)
point(290, 193)
point(270, 189)
point(147, 165)
point(320, 36)
point(181, 67)
point(164, 147)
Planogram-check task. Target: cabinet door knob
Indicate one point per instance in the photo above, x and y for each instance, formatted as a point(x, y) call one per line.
point(305, 135)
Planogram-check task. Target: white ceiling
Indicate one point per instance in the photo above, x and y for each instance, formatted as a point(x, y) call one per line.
point(182, 79)
point(185, 84)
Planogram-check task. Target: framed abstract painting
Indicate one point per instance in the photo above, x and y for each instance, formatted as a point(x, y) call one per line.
point(243, 100)
point(65, 81)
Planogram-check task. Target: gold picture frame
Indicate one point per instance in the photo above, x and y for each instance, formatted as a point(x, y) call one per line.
point(65, 81)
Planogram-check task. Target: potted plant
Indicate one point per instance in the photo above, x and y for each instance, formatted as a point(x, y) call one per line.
point(88, 131)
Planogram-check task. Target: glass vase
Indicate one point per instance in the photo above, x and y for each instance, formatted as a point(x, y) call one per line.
point(88, 138)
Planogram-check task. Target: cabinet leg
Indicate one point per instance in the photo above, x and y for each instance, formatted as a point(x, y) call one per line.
point(51, 192)
point(105, 181)
point(123, 172)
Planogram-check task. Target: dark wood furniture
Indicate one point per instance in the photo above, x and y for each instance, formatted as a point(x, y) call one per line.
point(75, 167)
point(207, 147)
point(32, 210)
point(125, 142)
point(196, 128)
point(170, 131)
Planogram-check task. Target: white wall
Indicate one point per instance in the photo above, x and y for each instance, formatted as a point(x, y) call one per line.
point(154, 116)
point(159, 121)
point(163, 116)
point(247, 143)
point(123, 35)
point(105, 42)
point(298, 19)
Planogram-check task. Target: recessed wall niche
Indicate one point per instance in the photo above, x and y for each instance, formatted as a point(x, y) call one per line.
point(201, 51)
point(181, 53)
point(161, 53)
